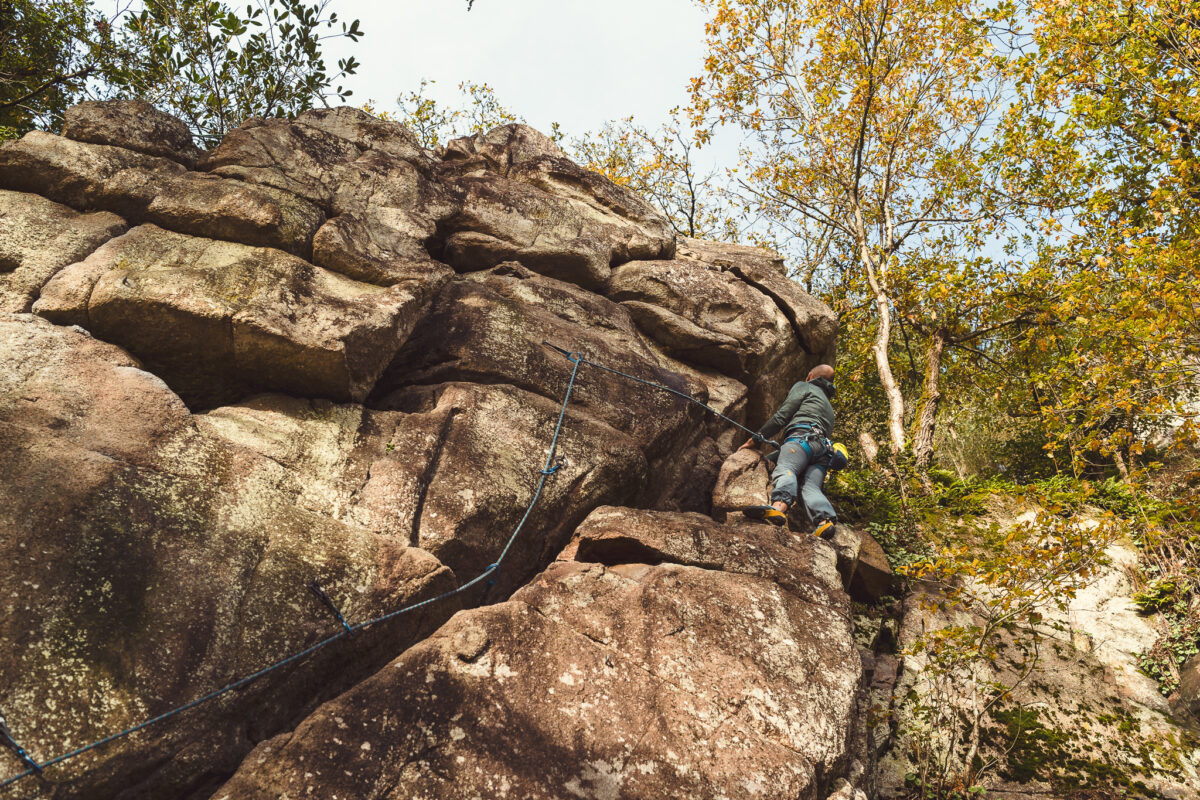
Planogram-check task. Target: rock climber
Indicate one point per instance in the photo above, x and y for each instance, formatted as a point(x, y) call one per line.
point(806, 419)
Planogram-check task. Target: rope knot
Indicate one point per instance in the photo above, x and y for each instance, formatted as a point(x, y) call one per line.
point(575, 357)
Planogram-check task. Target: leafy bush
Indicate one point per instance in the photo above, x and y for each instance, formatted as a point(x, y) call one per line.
point(866, 497)
point(1170, 652)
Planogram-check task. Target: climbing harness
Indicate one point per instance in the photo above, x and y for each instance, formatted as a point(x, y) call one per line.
point(552, 465)
point(805, 434)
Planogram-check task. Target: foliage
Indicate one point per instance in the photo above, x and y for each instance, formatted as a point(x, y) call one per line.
point(1170, 652)
point(435, 124)
point(990, 601)
point(214, 67)
point(1168, 587)
point(1099, 151)
point(202, 60)
point(660, 165)
point(48, 51)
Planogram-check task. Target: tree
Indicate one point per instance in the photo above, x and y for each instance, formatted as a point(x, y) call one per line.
point(660, 166)
point(1100, 153)
point(214, 67)
point(960, 306)
point(48, 51)
point(866, 119)
point(198, 59)
point(435, 124)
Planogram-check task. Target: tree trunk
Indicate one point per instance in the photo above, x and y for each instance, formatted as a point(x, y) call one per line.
point(1122, 468)
point(883, 364)
point(870, 450)
point(931, 397)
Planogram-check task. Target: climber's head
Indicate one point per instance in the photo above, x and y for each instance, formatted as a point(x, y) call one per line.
point(822, 377)
point(820, 371)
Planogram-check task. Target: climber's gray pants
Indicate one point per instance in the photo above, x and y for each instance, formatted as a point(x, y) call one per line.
point(794, 461)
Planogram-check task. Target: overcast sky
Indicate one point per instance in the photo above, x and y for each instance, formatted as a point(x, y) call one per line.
point(577, 62)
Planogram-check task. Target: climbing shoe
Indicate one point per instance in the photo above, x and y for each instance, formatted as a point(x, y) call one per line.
point(769, 514)
point(824, 529)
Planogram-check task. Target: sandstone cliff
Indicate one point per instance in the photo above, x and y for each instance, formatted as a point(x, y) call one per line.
point(316, 352)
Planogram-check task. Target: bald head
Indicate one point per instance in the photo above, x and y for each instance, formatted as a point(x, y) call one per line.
point(820, 371)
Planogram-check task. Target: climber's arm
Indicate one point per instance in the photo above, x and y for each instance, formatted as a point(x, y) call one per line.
point(781, 417)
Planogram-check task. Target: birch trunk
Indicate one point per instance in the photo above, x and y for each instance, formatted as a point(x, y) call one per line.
point(883, 364)
point(931, 396)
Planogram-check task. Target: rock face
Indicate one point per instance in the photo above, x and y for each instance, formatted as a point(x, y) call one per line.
point(38, 238)
point(156, 563)
point(317, 352)
point(1186, 700)
point(1083, 718)
point(218, 320)
point(725, 668)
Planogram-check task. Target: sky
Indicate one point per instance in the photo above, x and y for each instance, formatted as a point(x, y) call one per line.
point(575, 62)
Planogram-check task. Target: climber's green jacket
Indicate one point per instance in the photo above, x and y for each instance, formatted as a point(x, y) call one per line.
point(806, 408)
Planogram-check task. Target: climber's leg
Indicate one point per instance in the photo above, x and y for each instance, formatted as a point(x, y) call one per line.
point(819, 509)
point(793, 459)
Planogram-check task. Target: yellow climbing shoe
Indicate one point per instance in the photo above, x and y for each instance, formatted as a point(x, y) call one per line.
point(769, 514)
point(824, 529)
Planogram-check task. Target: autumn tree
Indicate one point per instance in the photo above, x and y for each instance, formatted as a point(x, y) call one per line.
point(866, 120)
point(661, 166)
point(436, 123)
point(1100, 152)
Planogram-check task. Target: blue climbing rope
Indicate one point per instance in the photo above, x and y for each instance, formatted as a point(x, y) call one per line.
point(755, 435)
point(551, 466)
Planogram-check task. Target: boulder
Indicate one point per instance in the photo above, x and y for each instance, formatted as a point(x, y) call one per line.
point(803, 565)
point(368, 175)
point(495, 328)
point(148, 566)
point(134, 125)
point(873, 578)
point(312, 155)
point(714, 317)
point(338, 159)
point(632, 228)
point(631, 680)
point(219, 320)
point(451, 470)
point(626, 223)
point(38, 238)
point(145, 188)
point(813, 323)
point(497, 151)
point(847, 543)
point(744, 481)
point(505, 220)
point(522, 200)
point(363, 249)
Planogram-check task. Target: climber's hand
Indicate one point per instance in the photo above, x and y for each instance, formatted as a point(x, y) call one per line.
point(749, 445)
